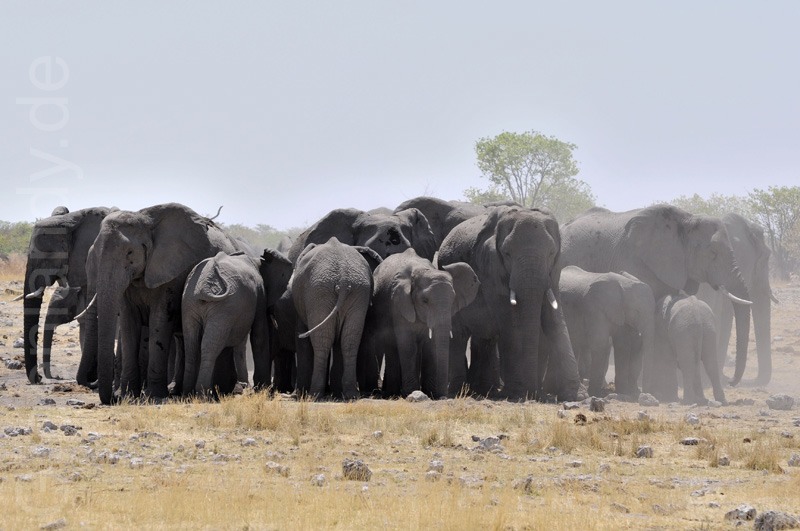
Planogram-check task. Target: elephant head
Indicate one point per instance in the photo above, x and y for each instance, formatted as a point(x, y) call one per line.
point(57, 252)
point(144, 250)
point(442, 215)
point(384, 233)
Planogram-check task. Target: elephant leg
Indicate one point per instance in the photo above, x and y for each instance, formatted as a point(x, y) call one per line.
point(409, 357)
point(144, 353)
point(285, 370)
point(224, 381)
point(161, 332)
point(349, 340)
point(336, 370)
point(176, 384)
point(211, 346)
point(712, 369)
point(192, 330)
point(240, 362)
point(562, 361)
point(688, 362)
point(599, 355)
point(627, 362)
point(262, 353)
point(483, 375)
point(457, 365)
point(392, 372)
point(128, 337)
point(305, 362)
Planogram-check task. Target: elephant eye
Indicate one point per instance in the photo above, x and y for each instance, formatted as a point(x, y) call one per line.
point(425, 300)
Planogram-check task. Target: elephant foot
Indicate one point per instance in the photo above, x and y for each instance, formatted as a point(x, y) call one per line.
point(34, 377)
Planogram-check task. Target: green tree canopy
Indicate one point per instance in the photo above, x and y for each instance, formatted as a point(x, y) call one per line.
point(778, 210)
point(716, 205)
point(533, 170)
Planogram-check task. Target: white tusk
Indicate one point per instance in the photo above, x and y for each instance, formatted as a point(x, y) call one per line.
point(774, 298)
point(274, 322)
point(87, 307)
point(430, 333)
point(451, 334)
point(734, 298)
point(513, 298)
point(551, 298)
point(18, 297)
point(36, 294)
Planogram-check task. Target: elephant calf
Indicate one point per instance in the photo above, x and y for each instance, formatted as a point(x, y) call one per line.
point(331, 289)
point(685, 335)
point(608, 307)
point(225, 298)
point(410, 322)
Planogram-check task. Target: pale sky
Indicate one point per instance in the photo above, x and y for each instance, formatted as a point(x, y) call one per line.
point(283, 111)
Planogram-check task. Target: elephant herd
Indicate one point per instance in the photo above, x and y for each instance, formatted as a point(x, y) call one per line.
point(440, 296)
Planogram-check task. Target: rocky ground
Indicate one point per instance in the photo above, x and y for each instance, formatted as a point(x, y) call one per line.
point(252, 461)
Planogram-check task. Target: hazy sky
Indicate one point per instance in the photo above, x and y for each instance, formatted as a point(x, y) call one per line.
point(282, 111)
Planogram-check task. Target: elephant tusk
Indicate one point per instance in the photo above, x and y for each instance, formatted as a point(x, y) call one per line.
point(773, 297)
point(513, 298)
point(430, 333)
point(551, 298)
point(18, 297)
point(734, 298)
point(451, 334)
point(36, 294)
point(80, 315)
point(274, 322)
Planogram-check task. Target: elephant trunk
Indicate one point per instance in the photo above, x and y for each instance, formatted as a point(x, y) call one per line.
point(741, 313)
point(519, 359)
point(108, 305)
point(762, 309)
point(440, 364)
point(50, 324)
point(32, 306)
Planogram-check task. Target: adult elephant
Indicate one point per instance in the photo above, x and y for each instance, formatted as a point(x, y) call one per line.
point(410, 322)
point(664, 246)
point(442, 216)
point(138, 265)
point(384, 233)
point(331, 288)
point(225, 298)
point(514, 251)
point(752, 257)
point(603, 308)
point(57, 252)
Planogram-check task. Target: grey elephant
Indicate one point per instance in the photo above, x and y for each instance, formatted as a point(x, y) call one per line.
point(331, 289)
point(384, 233)
point(57, 252)
point(514, 251)
point(410, 322)
point(752, 258)
point(685, 336)
point(665, 247)
point(442, 216)
point(225, 298)
point(137, 268)
point(597, 307)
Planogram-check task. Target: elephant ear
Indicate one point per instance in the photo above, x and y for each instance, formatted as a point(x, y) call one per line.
point(654, 237)
point(212, 283)
point(418, 231)
point(402, 303)
point(372, 258)
point(338, 223)
point(180, 240)
point(605, 296)
point(276, 270)
point(465, 284)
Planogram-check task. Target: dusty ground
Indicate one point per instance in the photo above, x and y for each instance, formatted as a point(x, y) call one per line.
point(255, 462)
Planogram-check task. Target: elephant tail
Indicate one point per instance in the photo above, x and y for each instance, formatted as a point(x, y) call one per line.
point(339, 301)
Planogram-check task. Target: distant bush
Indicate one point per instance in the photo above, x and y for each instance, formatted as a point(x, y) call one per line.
point(14, 237)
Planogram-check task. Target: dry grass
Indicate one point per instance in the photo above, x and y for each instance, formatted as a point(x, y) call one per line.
point(13, 268)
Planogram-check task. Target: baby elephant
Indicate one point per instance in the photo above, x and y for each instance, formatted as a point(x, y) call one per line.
point(225, 298)
point(685, 335)
point(331, 288)
point(410, 323)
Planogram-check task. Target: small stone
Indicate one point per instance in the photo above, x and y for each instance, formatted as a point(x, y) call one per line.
point(69, 429)
point(580, 418)
point(577, 463)
point(136, 462)
point(275, 468)
point(714, 404)
point(470, 482)
point(597, 405)
point(796, 422)
point(620, 508)
point(58, 524)
point(724, 460)
point(417, 396)
point(49, 426)
point(47, 402)
point(643, 415)
point(604, 467)
point(318, 480)
point(787, 435)
point(433, 475)
point(571, 405)
point(692, 419)
point(249, 442)
point(794, 460)
point(356, 469)
point(780, 402)
point(769, 520)
point(75, 402)
point(377, 434)
point(561, 414)
point(437, 465)
point(25, 478)
point(644, 452)
point(743, 512)
point(690, 441)
point(200, 444)
point(713, 505)
point(15, 432)
point(13, 365)
point(647, 400)
point(40, 451)
point(18, 343)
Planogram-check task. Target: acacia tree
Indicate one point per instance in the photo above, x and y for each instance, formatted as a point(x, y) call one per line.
point(716, 205)
point(533, 170)
point(778, 210)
